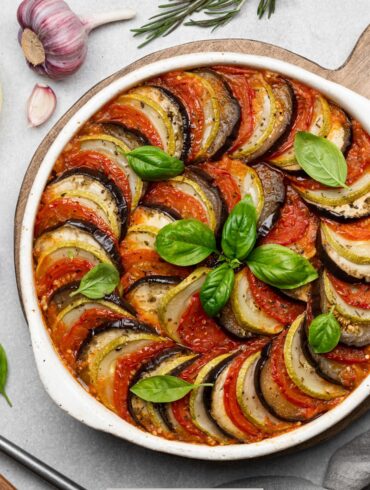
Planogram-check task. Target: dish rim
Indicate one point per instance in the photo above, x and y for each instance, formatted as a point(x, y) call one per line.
point(59, 383)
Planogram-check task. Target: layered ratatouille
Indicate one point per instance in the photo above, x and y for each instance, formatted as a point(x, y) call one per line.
point(234, 128)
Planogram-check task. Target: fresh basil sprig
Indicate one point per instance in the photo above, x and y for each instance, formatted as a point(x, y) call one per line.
point(163, 389)
point(321, 159)
point(99, 281)
point(239, 233)
point(185, 242)
point(216, 289)
point(152, 164)
point(280, 267)
point(324, 333)
point(4, 374)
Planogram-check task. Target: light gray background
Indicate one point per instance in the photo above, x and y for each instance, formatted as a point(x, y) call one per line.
point(324, 31)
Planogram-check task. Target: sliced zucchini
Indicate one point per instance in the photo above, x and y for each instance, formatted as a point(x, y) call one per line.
point(140, 236)
point(247, 313)
point(200, 403)
point(341, 129)
point(228, 109)
point(301, 372)
point(227, 320)
point(249, 401)
point(357, 251)
point(175, 302)
point(115, 149)
point(50, 259)
point(153, 217)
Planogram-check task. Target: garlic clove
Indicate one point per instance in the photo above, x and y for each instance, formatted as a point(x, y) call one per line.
point(41, 105)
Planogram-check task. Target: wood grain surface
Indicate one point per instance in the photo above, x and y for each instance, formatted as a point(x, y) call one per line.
point(354, 74)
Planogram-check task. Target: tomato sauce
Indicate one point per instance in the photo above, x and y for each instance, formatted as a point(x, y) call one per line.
point(225, 183)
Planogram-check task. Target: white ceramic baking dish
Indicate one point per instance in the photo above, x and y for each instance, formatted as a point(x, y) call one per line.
point(59, 383)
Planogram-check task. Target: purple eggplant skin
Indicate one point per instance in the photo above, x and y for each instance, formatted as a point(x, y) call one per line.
point(132, 138)
point(147, 367)
point(123, 210)
point(228, 322)
point(163, 209)
point(274, 192)
point(170, 280)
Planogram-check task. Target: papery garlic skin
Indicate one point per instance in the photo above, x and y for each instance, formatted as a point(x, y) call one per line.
point(41, 105)
point(54, 38)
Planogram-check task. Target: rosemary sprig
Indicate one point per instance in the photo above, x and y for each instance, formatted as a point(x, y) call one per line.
point(175, 12)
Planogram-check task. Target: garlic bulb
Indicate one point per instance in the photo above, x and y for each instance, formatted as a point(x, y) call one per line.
point(41, 105)
point(54, 39)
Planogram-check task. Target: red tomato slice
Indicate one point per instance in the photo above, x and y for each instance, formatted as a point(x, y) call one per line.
point(232, 407)
point(186, 205)
point(192, 93)
point(273, 303)
point(72, 341)
point(357, 230)
point(348, 355)
point(305, 99)
point(98, 161)
point(225, 182)
point(58, 211)
point(199, 332)
point(356, 295)
point(243, 92)
point(132, 119)
point(126, 369)
point(310, 406)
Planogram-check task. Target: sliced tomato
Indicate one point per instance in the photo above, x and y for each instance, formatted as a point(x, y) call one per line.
point(232, 407)
point(273, 303)
point(305, 99)
point(191, 92)
point(356, 295)
point(98, 161)
point(186, 205)
point(132, 119)
point(126, 368)
point(200, 332)
point(62, 272)
point(357, 230)
point(58, 211)
point(237, 79)
point(225, 183)
point(310, 406)
point(348, 355)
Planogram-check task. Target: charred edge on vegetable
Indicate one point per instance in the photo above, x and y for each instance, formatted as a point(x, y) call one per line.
point(162, 407)
point(207, 390)
point(228, 322)
point(326, 213)
point(117, 130)
point(101, 177)
point(167, 280)
point(349, 137)
point(149, 366)
point(163, 209)
point(184, 117)
point(71, 286)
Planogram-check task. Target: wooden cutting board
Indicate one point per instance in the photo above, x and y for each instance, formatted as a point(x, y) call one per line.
point(354, 74)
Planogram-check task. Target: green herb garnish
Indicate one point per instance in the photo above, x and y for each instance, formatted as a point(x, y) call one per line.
point(153, 164)
point(4, 374)
point(99, 281)
point(324, 333)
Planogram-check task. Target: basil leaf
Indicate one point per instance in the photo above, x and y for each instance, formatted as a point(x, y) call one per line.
point(240, 230)
point(99, 281)
point(163, 389)
point(217, 288)
point(320, 159)
point(185, 242)
point(4, 374)
point(324, 333)
point(281, 267)
point(152, 164)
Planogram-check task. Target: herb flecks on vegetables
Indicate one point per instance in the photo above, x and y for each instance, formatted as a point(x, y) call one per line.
point(321, 159)
point(4, 374)
point(153, 164)
point(217, 13)
point(189, 242)
point(163, 389)
point(99, 281)
point(324, 333)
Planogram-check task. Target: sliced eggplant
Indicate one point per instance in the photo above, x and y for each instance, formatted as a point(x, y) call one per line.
point(301, 372)
point(132, 138)
point(247, 313)
point(201, 399)
point(249, 401)
point(175, 302)
point(152, 216)
point(94, 190)
point(357, 251)
point(227, 320)
point(274, 196)
point(146, 294)
point(114, 149)
point(228, 109)
point(341, 129)
point(350, 268)
point(166, 113)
